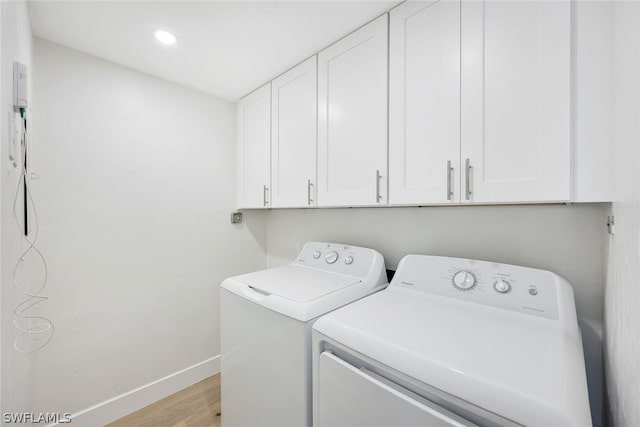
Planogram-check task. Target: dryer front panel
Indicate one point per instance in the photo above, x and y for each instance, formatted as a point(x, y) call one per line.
point(353, 397)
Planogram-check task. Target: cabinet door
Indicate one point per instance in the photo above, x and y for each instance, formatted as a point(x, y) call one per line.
point(352, 118)
point(424, 103)
point(254, 148)
point(516, 100)
point(293, 136)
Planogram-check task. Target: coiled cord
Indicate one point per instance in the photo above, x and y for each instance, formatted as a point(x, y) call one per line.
point(29, 325)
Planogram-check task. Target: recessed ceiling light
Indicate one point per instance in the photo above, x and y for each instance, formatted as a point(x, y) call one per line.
point(165, 37)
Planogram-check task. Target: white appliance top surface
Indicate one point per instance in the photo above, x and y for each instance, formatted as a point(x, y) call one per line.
point(297, 284)
point(323, 277)
point(524, 367)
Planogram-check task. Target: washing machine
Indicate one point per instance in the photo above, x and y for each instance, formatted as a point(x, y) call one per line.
point(266, 320)
point(453, 342)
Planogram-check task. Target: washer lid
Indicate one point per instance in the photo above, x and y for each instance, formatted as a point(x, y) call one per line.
point(521, 367)
point(299, 292)
point(295, 283)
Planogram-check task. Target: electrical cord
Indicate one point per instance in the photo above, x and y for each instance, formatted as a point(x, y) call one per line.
point(29, 325)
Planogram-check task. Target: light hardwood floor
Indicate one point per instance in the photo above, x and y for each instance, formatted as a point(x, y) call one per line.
point(196, 406)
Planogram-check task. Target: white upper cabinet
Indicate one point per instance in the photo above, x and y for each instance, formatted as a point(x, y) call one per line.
point(254, 148)
point(516, 101)
point(438, 102)
point(352, 118)
point(424, 103)
point(293, 136)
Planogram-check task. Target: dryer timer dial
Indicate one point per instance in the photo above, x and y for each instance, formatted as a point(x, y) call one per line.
point(464, 280)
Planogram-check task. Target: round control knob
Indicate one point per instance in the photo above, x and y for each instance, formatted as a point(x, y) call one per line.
point(331, 257)
point(464, 280)
point(502, 286)
point(316, 254)
point(348, 260)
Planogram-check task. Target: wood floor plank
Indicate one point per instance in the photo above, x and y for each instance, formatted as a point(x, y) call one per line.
point(195, 406)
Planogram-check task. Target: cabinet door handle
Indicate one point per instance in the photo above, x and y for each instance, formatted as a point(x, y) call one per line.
point(468, 170)
point(378, 195)
point(309, 199)
point(449, 180)
point(265, 202)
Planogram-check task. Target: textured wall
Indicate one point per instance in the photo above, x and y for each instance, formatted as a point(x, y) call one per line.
point(622, 299)
point(135, 192)
point(16, 368)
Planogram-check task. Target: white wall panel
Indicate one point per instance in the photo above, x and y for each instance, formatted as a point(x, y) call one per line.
point(568, 240)
point(135, 192)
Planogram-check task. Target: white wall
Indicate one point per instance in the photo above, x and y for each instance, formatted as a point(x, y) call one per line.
point(135, 195)
point(622, 299)
point(568, 240)
point(15, 373)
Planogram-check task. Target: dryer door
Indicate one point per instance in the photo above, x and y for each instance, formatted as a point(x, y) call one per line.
point(354, 397)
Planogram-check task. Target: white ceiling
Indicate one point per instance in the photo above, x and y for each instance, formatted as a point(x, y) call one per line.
point(225, 48)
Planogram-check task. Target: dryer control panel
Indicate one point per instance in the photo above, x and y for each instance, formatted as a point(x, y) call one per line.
point(522, 289)
point(339, 258)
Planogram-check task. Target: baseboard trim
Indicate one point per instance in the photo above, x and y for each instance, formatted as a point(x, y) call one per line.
point(131, 401)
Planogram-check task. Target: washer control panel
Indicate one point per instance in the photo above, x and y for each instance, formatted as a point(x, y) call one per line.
point(338, 258)
point(510, 287)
